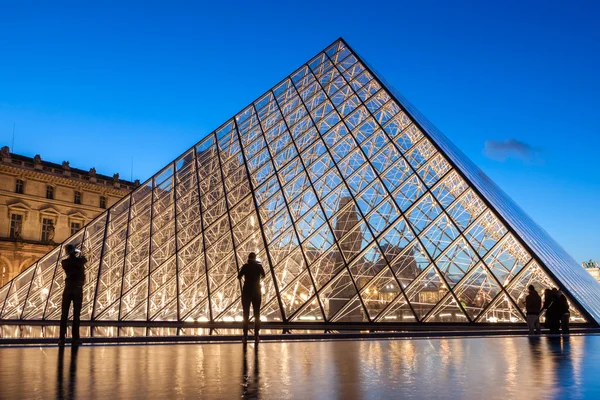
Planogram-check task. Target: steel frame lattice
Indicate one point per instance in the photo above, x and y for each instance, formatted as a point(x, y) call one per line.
point(362, 211)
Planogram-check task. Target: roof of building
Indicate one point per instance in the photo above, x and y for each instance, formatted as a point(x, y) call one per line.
point(64, 169)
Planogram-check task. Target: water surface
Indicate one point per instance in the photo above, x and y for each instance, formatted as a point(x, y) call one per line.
point(459, 368)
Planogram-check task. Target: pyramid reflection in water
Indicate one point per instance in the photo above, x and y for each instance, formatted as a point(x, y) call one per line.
point(360, 208)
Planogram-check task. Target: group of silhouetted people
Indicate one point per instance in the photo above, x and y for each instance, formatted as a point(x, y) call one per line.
point(555, 306)
point(74, 267)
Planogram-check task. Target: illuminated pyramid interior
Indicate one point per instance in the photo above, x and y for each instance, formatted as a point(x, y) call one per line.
point(361, 210)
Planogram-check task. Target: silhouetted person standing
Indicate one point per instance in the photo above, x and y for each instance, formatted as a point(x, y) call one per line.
point(565, 315)
point(74, 267)
point(552, 310)
point(252, 272)
point(533, 305)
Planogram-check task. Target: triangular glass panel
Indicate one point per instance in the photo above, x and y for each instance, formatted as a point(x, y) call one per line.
point(311, 312)
point(110, 313)
point(477, 290)
point(38, 293)
point(395, 239)
point(447, 311)
point(449, 189)
point(409, 192)
point(162, 296)
point(438, 236)
point(367, 266)
point(200, 312)
point(507, 259)
point(426, 291)
point(423, 212)
point(135, 298)
point(167, 313)
point(398, 312)
point(485, 232)
point(353, 311)
point(223, 271)
point(139, 313)
point(410, 263)
point(15, 301)
point(271, 312)
point(294, 295)
point(233, 312)
point(3, 294)
point(466, 209)
point(337, 295)
point(380, 292)
point(290, 268)
point(325, 268)
point(502, 310)
point(192, 294)
point(456, 261)
point(283, 247)
point(434, 170)
point(224, 295)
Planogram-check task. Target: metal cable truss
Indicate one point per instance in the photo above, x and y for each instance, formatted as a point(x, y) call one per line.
point(362, 212)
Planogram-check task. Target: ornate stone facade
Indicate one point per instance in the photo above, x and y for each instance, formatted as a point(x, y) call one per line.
point(591, 266)
point(43, 203)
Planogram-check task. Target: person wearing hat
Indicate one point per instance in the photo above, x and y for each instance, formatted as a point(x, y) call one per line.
point(252, 272)
point(74, 267)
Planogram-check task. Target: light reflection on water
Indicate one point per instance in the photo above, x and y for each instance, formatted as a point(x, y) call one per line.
point(490, 368)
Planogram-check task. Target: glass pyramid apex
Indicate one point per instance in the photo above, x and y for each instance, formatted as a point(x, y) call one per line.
point(361, 210)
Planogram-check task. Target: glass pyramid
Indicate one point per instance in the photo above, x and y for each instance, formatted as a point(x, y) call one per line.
point(361, 209)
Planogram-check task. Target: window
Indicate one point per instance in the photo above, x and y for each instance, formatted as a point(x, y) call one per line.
point(102, 202)
point(77, 199)
point(16, 224)
point(49, 191)
point(75, 226)
point(19, 186)
point(47, 229)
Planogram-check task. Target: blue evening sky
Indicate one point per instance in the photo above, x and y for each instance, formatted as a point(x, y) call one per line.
point(102, 85)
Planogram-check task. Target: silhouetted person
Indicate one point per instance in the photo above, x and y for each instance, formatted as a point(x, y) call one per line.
point(552, 310)
point(533, 305)
point(565, 315)
point(252, 272)
point(74, 267)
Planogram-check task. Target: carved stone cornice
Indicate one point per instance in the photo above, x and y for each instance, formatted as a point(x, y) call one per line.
point(37, 174)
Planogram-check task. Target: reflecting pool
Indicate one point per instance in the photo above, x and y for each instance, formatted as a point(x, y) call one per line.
point(459, 368)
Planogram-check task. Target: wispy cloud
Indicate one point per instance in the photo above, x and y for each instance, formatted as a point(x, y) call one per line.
point(512, 148)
